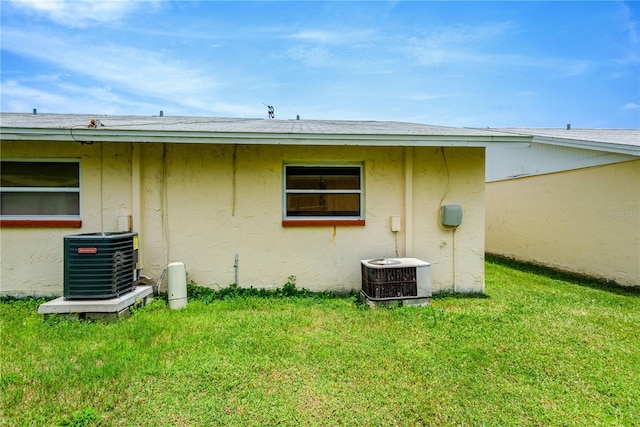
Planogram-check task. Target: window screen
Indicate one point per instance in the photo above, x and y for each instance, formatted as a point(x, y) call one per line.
point(323, 191)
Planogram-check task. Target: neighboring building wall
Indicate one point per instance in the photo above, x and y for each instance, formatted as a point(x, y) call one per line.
point(585, 221)
point(204, 204)
point(538, 159)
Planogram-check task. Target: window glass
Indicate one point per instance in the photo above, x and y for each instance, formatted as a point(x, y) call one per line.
point(323, 178)
point(39, 203)
point(39, 189)
point(323, 204)
point(40, 174)
point(323, 191)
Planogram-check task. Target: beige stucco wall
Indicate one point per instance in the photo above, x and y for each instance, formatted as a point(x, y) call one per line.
point(31, 258)
point(205, 204)
point(586, 221)
point(453, 177)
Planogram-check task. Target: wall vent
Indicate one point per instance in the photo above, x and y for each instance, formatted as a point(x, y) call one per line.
point(100, 265)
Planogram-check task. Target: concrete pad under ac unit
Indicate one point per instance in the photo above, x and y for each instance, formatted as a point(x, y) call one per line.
point(97, 309)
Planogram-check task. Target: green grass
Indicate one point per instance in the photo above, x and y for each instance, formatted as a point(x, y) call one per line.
point(537, 349)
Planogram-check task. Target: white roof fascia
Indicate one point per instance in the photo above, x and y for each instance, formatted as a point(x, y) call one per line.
point(589, 145)
point(83, 135)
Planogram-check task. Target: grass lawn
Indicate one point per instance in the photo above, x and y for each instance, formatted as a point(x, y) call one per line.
point(536, 349)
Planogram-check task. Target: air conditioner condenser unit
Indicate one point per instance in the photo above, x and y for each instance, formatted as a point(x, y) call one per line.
point(396, 279)
point(100, 265)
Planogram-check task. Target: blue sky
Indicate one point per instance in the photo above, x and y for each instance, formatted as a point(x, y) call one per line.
point(474, 64)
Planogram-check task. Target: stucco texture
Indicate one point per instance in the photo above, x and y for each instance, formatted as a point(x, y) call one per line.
point(205, 204)
point(586, 221)
point(31, 258)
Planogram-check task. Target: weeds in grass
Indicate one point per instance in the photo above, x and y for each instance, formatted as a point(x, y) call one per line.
point(534, 350)
point(288, 290)
point(81, 418)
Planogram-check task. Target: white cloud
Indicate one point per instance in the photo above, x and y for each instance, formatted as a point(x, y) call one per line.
point(572, 68)
point(465, 34)
point(23, 98)
point(338, 49)
point(631, 106)
point(80, 13)
point(333, 37)
point(317, 36)
point(630, 25)
point(69, 98)
point(451, 44)
point(475, 45)
point(313, 56)
point(429, 97)
point(138, 72)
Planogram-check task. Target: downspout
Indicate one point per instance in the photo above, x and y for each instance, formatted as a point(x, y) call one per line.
point(408, 201)
point(164, 206)
point(102, 188)
point(136, 199)
point(234, 165)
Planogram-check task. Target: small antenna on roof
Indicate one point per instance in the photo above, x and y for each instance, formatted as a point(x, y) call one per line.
point(270, 111)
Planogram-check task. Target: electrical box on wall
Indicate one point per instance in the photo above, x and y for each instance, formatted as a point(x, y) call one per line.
point(451, 215)
point(124, 223)
point(395, 224)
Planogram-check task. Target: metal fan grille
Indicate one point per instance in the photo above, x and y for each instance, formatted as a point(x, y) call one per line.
point(389, 283)
point(99, 265)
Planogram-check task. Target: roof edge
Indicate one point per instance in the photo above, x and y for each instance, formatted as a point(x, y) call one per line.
point(579, 142)
point(83, 135)
point(609, 147)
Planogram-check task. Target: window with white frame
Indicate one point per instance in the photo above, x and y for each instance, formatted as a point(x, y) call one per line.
point(40, 189)
point(323, 191)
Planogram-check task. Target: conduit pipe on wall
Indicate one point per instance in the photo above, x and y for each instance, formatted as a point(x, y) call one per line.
point(440, 222)
point(236, 266)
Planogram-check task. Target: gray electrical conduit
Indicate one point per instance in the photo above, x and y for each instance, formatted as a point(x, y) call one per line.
point(157, 290)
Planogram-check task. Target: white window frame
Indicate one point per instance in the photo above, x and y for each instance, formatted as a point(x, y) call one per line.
point(45, 189)
point(360, 192)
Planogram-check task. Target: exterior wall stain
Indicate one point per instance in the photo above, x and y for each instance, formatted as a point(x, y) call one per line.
point(204, 205)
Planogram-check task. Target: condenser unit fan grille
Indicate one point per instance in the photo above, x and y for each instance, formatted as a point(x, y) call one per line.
point(396, 282)
point(99, 265)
